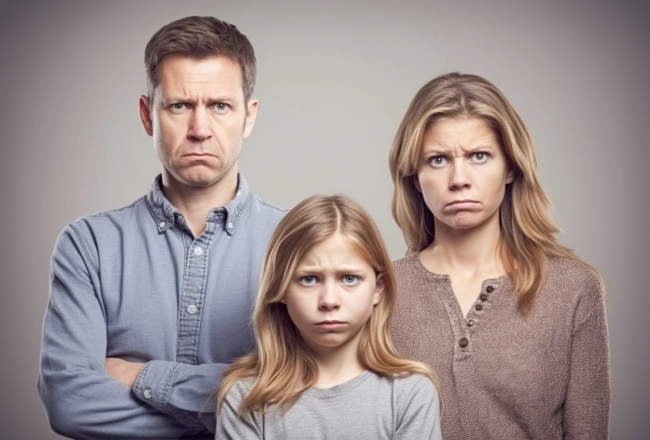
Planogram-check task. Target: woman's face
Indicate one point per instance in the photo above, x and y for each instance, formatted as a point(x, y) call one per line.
point(462, 173)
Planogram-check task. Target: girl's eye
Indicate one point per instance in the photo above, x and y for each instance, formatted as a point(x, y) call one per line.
point(308, 280)
point(480, 157)
point(438, 161)
point(350, 279)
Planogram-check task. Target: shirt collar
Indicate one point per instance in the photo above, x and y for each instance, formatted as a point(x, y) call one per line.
point(165, 214)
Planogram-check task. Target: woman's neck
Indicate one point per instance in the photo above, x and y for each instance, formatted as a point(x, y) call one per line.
point(471, 252)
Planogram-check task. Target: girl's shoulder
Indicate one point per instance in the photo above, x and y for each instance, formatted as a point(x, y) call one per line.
point(414, 385)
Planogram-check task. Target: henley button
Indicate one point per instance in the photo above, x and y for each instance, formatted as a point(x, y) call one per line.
point(463, 342)
point(479, 307)
point(198, 251)
point(470, 323)
point(191, 309)
point(483, 297)
point(147, 394)
point(489, 289)
point(162, 225)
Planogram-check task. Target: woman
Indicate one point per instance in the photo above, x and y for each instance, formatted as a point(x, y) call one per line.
point(512, 322)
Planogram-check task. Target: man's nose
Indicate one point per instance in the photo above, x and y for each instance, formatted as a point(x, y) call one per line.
point(199, 129)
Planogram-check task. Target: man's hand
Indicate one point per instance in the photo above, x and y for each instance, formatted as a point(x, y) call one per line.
point(124, 371)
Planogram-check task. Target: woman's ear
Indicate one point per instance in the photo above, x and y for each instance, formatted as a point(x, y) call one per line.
point(380, 286)
point(416, 183)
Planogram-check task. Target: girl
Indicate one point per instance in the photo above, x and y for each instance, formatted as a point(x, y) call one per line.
point(512, 321)
point(325, 367)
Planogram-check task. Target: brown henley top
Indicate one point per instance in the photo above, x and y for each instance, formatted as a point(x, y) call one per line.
point(505, 375)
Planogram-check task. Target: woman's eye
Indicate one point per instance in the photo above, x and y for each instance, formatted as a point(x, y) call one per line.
point(438, 161)
point(308, 280)
point(480, 157)
point(350, 279)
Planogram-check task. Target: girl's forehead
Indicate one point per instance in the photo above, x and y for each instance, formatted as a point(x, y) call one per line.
point(337, 246)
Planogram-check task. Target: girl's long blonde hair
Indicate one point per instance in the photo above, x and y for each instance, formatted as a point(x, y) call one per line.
point(282, 366)
point(527, 228)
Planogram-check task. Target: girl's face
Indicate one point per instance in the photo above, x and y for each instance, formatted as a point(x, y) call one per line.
point(463, 173)
point(331, 295)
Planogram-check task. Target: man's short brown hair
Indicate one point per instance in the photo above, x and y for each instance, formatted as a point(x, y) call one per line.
point(200, 37)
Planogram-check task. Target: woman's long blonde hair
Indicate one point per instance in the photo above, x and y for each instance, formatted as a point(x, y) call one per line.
point(527, 228)
point(282, 366)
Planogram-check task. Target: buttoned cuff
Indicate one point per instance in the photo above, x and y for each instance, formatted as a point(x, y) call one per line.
point(154, 383)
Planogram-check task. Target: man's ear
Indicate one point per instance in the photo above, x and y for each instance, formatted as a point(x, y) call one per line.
point(145, 114)
point(380, 287)
point(251, 115)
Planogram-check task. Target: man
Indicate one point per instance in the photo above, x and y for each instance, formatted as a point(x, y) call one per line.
point(151, 302)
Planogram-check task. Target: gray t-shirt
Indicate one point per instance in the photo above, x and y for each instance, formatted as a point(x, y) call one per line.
point(367, 407)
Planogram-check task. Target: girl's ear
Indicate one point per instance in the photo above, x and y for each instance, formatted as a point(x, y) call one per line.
point(380, 286)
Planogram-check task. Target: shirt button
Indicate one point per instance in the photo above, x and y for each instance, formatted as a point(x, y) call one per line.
point(479, 307)
point(483, 297)
point(191, 309)
point(162, 225)
point(198, 251)
point(230, 225)
point(470, 323)
point(489, 289)
point(147, 394)
point(463, 342)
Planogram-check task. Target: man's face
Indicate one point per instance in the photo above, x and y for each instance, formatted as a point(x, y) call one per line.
point(198, 120)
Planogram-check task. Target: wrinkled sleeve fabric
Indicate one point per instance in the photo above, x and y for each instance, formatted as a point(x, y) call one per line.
point(232, 427)
point(418, 414)
point(81, 400)
point(182, 391)
point(587, 403)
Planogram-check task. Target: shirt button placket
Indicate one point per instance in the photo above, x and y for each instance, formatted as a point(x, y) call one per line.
point(192, 298)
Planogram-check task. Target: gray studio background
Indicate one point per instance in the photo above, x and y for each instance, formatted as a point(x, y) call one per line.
point(334, 80)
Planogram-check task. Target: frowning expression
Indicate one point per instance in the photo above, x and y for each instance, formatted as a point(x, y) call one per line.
point(198, 118)
point(463, 173)
point(332, 294)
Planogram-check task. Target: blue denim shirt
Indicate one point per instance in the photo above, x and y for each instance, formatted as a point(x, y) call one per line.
point(135, 283)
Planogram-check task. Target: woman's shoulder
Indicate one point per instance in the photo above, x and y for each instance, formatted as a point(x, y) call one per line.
point(574, 276)
point(408, 263)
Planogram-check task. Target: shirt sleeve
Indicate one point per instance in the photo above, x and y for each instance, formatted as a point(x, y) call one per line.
point(232, 427)
point(80, 398)
point(183, 391)
point(418, 414)
point(587, 403)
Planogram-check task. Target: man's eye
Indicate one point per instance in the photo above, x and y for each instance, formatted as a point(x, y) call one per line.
point(221, 106)
point(177, 106)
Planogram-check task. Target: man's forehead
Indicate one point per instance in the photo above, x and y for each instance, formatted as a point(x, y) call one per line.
point(215, 76)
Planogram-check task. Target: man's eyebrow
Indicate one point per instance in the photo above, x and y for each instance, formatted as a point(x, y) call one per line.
point(180, 98)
